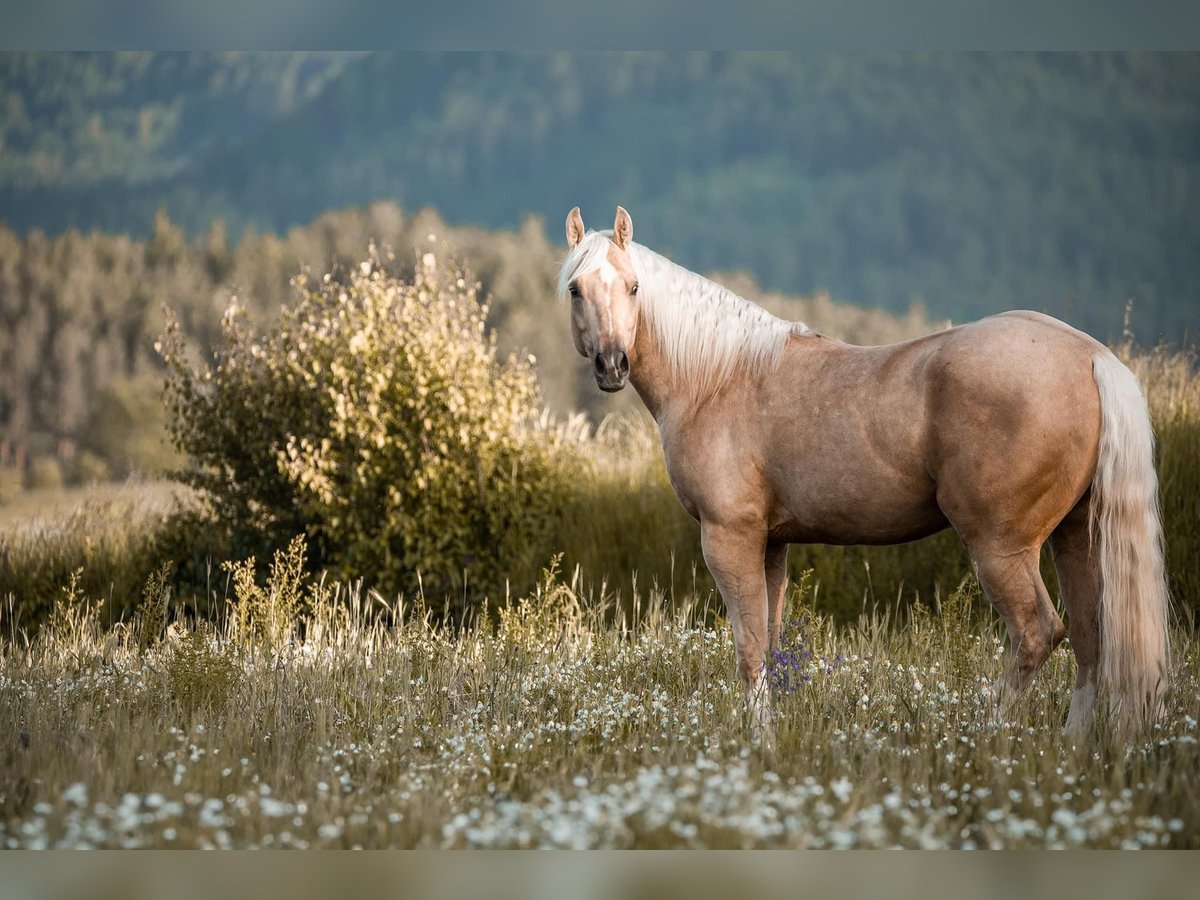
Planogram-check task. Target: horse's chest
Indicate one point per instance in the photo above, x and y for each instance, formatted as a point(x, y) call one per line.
point(682, 479)
point(710, 472)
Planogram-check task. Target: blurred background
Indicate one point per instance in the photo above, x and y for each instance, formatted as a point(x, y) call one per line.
point(928, 187)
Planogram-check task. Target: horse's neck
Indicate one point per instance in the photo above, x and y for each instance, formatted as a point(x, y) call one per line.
point(649, 373)
point(711, 338)
point(662, 390)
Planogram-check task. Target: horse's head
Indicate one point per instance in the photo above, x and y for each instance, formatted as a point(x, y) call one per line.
point(604, 305)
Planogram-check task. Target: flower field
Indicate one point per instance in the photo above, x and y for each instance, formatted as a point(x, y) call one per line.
point(309, 719)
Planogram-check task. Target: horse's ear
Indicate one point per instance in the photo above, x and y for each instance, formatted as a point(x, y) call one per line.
point(574, 227)
point(622, 228)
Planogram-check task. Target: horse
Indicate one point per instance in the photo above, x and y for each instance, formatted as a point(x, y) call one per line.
point(1013, 430)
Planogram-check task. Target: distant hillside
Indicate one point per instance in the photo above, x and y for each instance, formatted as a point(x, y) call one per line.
point(82, 120)
point(79, 315)
point(975, 183)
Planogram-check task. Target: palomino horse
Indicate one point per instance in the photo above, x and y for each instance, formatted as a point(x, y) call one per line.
point(1012, 430)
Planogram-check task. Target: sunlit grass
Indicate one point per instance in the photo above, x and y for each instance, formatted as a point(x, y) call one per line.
point(105, 536)
point(552, 724)
point(115, 503)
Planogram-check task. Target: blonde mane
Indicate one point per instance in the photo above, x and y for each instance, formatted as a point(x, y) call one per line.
point(706, 331)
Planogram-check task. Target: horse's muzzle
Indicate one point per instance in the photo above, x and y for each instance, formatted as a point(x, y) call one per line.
point(612, 370)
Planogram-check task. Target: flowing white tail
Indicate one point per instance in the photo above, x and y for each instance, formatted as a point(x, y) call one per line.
point(1126, 530)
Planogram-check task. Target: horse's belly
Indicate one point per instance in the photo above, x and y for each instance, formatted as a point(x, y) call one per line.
point(874, 533)
point(888, 514)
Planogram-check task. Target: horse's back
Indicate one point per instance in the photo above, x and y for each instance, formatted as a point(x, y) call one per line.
point(1025, 326)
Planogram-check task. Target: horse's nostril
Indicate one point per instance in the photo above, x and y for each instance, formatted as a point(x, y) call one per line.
point(599, 364)
point(622, 363)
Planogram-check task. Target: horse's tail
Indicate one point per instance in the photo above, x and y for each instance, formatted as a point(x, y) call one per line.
point(1125, 528)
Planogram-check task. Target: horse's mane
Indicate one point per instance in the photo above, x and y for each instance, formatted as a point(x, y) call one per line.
point(706, 331)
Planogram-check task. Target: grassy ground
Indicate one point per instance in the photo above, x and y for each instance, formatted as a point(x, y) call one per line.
point(107, 536)
point(554, 726)
point(54, 509)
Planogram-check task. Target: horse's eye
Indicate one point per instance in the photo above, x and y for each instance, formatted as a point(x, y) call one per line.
point(633, 293)
point(573, 289)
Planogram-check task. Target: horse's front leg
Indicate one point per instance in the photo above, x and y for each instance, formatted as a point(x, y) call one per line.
point(735, 557)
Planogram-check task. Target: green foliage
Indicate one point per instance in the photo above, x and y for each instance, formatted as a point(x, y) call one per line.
point(202, 670)
point(152, 613)
point(126, 429)
point(75, 119)
point(377, 418)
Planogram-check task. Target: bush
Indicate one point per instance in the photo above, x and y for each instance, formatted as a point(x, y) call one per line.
point(45, 473)
point(126, 431)
point(377, 419)
point(88, 468)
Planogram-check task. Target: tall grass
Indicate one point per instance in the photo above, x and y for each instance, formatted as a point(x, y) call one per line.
point(305, 717)
point(107, 538)
point(1172, 384)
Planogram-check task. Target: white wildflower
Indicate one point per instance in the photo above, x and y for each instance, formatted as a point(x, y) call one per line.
point(842, 789)
point(76, 794)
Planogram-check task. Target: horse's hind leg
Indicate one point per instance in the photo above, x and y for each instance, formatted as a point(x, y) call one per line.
point(1079, 581)
point(776, 563)
point(1014, 586)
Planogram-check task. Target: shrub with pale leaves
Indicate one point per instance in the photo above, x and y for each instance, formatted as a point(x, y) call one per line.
point(377, 418)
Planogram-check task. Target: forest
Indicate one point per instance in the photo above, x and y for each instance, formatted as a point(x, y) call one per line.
point(971, 182)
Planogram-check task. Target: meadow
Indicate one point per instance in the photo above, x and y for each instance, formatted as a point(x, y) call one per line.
point(310, 717)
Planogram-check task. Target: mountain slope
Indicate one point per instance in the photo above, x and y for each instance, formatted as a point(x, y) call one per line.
point(1063, 182)
point(77, 120)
